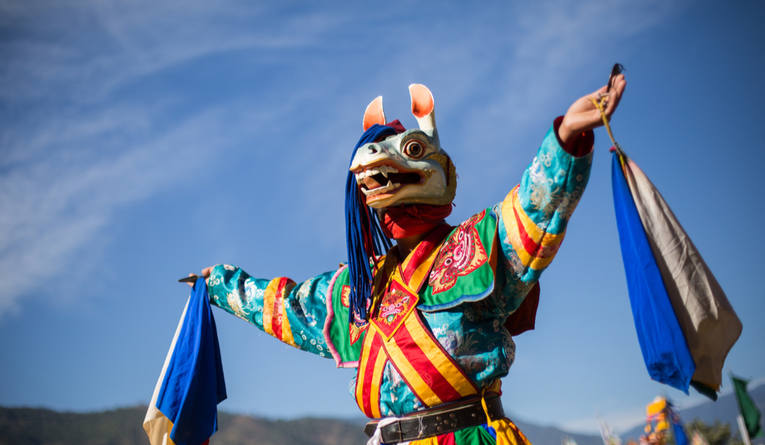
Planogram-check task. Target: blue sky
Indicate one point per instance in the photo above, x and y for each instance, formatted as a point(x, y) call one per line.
point(143, 140)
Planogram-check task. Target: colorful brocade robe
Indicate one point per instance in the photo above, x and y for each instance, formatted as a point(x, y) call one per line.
point(459, 297)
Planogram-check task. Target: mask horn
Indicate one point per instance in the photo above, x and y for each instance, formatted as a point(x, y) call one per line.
point(423, 108)
point(374, 113)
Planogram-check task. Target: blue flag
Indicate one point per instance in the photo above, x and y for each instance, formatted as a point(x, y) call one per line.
point(665, 352)
point(679, 431)
point(685, 324)
point(185, 402)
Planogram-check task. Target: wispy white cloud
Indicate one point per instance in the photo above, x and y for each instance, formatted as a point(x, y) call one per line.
point(76, 156)
point(92, 47)
point(55, 205)
point(529, 52)
point(73, 155)
point(554, 42)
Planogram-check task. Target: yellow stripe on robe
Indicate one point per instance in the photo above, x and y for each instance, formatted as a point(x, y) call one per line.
point(416, 383)
point(532, 229)
point(423, 270)
point(286, 330)
point(444, 364)
point(269, 295)
point(376, 381)
point(548, 246)
point(362, 369)
point(420, 388)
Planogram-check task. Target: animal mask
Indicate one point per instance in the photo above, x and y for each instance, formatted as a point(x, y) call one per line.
point(408, 168)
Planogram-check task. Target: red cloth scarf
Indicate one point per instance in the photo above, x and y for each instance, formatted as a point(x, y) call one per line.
point(409, 220)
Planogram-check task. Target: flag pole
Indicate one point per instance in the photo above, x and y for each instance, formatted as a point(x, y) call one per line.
point(744, 432)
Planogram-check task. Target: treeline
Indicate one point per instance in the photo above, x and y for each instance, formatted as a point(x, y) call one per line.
point(32, 426)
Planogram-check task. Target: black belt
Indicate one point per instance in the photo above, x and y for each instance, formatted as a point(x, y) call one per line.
point(440, 420)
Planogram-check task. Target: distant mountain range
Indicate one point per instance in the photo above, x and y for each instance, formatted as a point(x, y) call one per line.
point(36, 426)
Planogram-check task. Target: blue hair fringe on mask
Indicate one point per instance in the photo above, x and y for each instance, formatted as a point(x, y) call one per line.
point(364, 237)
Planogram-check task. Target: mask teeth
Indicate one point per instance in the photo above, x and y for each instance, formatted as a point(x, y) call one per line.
point(382, 169)
point(386, 188)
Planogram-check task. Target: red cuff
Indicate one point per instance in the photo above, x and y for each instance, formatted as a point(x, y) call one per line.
point(579, 146)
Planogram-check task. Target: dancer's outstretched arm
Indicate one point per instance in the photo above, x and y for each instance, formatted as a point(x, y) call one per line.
point(294, 314)
point(534, 216)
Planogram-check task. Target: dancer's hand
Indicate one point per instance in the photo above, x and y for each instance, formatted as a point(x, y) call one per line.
point(583, 116)
point(205, 273)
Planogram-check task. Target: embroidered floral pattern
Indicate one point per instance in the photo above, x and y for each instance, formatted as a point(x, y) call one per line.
point(355, 332)
point(395, 305)
point(542, 187)
point(568, 203)
point(234, 302)
point(553, 188)
point(300, 306)
point(460, 255)
point(345, 296)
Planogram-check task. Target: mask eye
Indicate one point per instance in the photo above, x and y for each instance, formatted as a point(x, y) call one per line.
point(414, 149)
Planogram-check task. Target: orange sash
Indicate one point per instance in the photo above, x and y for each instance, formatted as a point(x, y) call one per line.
point(396, 333)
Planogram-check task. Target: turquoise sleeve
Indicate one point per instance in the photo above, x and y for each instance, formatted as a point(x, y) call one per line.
point(534, 216)
point(292, 313)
